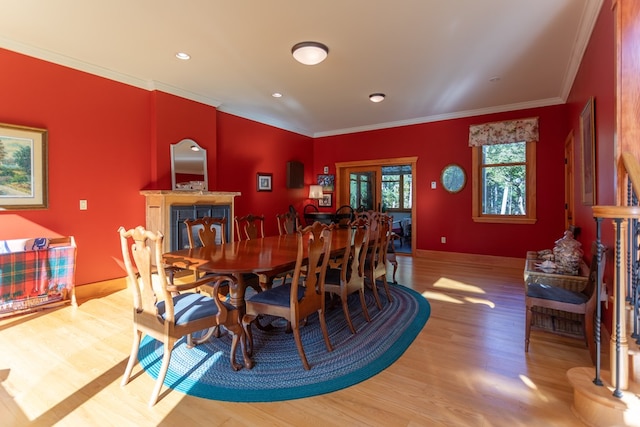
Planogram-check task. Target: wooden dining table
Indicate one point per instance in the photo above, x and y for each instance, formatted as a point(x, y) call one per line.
point(267, 257)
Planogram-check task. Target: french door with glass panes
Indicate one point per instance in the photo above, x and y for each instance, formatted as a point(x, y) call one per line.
point(384, 185)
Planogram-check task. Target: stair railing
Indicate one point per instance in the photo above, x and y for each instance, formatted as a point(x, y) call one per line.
point(626, 283)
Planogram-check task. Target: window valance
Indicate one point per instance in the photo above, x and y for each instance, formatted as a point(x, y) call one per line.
point(505, 132)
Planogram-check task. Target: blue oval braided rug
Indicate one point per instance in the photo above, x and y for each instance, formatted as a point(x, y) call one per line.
point(278, 374)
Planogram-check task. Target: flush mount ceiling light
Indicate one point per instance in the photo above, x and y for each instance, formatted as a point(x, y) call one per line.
point(309, 53)
point(182, 55)
point(377, 97)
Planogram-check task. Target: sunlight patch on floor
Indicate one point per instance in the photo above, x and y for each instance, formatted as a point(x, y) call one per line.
point(454, 285)
point(437, 296)
point(484, 301)
point(529, 383)
point(507, 388)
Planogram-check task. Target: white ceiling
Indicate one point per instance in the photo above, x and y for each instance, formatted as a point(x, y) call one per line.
point(434, 59)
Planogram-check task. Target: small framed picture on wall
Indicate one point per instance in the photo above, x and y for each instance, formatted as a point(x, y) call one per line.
point(264, 181)
point(326, 201)
point(327, 182)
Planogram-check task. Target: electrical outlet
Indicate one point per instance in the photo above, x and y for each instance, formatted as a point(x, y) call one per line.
point(83, 205)
point(443, 239)
point(326, 169)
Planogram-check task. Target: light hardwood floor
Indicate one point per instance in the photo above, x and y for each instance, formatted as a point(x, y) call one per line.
point(466, 368)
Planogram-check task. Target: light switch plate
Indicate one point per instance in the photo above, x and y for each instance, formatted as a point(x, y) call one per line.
point(83, 205)
point(326, 169)
point(433, 185)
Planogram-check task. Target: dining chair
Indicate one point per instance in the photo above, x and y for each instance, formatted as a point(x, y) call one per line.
point(349, 277)
point(211, 231)
point(250, 226)
point(308, 211)
point(391, 253)
point(557, 293)
point(287, 223)
point(376, 261)
point(344, 216)
point(386, 222)
point(169, 312)
point(299, 298)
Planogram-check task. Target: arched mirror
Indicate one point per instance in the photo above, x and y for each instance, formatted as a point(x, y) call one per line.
point(188, 166)
point(453, 178)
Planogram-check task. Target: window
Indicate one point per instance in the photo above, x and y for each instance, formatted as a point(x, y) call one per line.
point(504, 172)
point(361, 190)
point(396, 188)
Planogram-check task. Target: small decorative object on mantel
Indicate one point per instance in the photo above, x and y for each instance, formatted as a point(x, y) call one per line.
point(567, 254)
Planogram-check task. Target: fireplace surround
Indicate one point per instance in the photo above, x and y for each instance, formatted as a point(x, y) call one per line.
point(160, 203)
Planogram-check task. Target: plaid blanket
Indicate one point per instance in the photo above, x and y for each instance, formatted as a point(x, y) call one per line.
point(35, 277)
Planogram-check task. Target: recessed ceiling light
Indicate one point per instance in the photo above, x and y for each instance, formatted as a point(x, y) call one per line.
point(310, 53)
point(276, 95)
point(182, 55)
point(377, 97)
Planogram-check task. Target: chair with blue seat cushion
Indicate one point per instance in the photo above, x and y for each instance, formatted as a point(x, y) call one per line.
point(249, 227)
point(553, 296)
point(168, 312)
point(376, 261)
point(303, 295)
point(287, 223)
point(348, 277)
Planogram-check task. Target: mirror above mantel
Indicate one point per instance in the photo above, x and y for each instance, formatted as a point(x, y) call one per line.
point(188, 166)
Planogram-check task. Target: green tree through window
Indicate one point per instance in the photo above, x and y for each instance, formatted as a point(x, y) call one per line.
point(505, 179)
point(396, 187)
point(504, 182)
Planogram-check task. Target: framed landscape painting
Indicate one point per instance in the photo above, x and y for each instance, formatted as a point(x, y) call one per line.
point(23, 167)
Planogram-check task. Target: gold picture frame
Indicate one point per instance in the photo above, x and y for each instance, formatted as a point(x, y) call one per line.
point(588, 136)
point(23, 167)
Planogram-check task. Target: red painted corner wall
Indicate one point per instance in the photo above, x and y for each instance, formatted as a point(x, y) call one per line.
point(173, 119)
point(98, 149)
point(245, 148)
point(106, 142)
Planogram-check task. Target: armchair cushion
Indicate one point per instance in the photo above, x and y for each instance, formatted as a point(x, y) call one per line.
point(539, 290)
point(191, 306)
point(278, 295)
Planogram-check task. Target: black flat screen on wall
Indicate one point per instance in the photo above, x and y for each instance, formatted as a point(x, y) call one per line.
point(295, 174)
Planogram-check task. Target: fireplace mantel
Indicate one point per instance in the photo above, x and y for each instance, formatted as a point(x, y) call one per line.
point(159, 202)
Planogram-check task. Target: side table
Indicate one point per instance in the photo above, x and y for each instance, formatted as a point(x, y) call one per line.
point(556, 321)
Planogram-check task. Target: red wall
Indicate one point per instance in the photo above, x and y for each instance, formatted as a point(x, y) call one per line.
point(596, 78)
point(174, 119)
point(98, 145)
point(439, 213)
point(245, 148)
point(106, 142)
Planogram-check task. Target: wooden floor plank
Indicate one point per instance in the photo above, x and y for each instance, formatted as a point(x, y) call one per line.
point(467, 367)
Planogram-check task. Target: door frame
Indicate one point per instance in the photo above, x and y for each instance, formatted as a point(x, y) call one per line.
point(342, 183)
point(569, 147)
